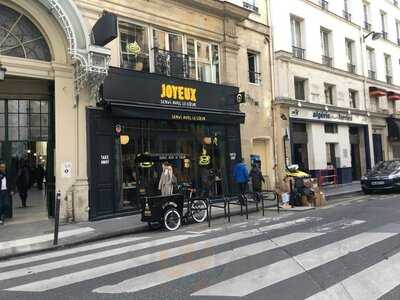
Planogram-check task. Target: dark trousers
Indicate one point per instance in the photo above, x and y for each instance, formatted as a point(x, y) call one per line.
point(23, 194)
point(242, 187)
point(3, 203)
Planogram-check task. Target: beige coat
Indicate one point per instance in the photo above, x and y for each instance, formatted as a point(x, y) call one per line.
point(167, 181)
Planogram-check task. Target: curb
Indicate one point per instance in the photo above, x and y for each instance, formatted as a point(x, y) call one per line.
point(332, 197)
point(99, 237)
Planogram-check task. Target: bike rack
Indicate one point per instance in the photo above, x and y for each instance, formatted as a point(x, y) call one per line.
point(219, 202)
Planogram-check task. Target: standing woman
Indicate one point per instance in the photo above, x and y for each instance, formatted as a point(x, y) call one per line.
point(23, 183)
point(256, 178)
point(166, 185)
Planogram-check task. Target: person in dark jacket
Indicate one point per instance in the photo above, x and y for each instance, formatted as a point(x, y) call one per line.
point(256, 178)
point(5, 192)
point(23, 183)
point(241, 176)
point(39, 176)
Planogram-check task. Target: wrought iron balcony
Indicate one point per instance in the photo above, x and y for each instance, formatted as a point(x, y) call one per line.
point(298, 52)
point(171, 63)
point(372, 74)
point(324, 4)
point(389, 79)
point(254, 77)
point(327, 61)
point(351, 68)
point(251, 7)
point(367, 26)
point(347, 15)
point(385, 35)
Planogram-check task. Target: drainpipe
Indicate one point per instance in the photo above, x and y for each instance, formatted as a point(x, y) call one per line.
point(272, 74)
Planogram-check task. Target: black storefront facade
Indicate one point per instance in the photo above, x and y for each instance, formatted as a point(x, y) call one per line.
point(146, 119)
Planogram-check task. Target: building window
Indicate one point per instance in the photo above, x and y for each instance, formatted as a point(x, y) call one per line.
point(251, 5)
point(203, 60)
point(254, 68)
point(353, 97)
point(331, 128)
point(300, 88)
point(134, 43)
point(388, 69)
point(346, 13)
point(19, 37)
point(383, 24)
point(325, 47)
point(371, 63)
point(350, 50)
point(329, 93)
point(374, 104)
point(367, 24)
point(331, 155)
point(297, 41)
point(324, 4)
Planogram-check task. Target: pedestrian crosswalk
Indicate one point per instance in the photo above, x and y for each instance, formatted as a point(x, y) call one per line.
point(250, 260)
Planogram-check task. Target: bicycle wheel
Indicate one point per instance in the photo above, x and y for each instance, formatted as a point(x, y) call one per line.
point(172, 219)
point(198, 210)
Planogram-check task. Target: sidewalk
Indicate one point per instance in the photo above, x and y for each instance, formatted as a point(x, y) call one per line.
point(19, 239)
point(333, 191)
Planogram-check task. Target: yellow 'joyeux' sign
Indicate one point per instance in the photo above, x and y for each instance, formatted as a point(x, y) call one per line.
point(181, 93)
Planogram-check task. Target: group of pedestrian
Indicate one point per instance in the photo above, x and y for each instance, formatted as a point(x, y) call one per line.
point(21, 184)
point(242, 176)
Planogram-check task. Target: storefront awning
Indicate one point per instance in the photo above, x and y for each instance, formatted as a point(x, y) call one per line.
point(134, 94)
point(393, 96)
point(393, 128)
point(377, 92)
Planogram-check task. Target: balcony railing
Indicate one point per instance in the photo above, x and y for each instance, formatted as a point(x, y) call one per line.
point(372, 74)
point(389, 79)
point(385, 35)
point(298, 52)
point(171, 63)
point(351, 68)
point(324, 4)
point(367, 26)
point(347, 15)
point(254, 77)
point(327, 61)
point(251, 7)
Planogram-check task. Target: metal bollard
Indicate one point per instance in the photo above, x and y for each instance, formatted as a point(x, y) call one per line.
point(56, 217)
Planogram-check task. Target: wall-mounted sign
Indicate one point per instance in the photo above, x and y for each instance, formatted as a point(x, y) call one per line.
point(232, 155)
point(66, 169)
point(329, 116)
point(104, 159)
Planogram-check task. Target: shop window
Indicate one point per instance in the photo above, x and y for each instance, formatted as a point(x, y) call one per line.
point(353, 97)
point(134, 44)
point(203, 60)
point(329, 91)
point(19, 37)
point(331, 159)
point(331, 128)
point(300, 88)
point(254, 68)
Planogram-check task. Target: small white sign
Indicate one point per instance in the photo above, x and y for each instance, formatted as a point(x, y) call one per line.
point(104, 159)
point(232, 155)
point(66, 169)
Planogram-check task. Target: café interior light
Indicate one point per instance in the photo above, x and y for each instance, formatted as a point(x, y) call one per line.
point(124, 139)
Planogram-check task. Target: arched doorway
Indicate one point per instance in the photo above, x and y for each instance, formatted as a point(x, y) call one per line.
point(26, 120)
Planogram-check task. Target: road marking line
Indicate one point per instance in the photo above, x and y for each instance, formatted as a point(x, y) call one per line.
point(250, 282)
point(54, 254)
point(89, 257)
point(43, 238)
point(71, 278)
point(169, 274)
point(371, 283)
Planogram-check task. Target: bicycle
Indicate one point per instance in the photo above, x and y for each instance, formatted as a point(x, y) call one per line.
point(196, 208)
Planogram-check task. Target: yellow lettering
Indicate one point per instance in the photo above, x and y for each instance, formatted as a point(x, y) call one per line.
point(180, 93)
point(175, 91)
point(168, 89)
point(163, 91)
point(193, 95)
point(187, 94)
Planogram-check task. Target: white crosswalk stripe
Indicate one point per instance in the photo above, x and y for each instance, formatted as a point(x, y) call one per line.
point(92, 273)
point(371, 283)
point(255, 280)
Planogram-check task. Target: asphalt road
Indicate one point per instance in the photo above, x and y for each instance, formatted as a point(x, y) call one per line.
point(349, 250)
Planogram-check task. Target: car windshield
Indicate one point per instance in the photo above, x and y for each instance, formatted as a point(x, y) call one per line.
point(388, 166)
